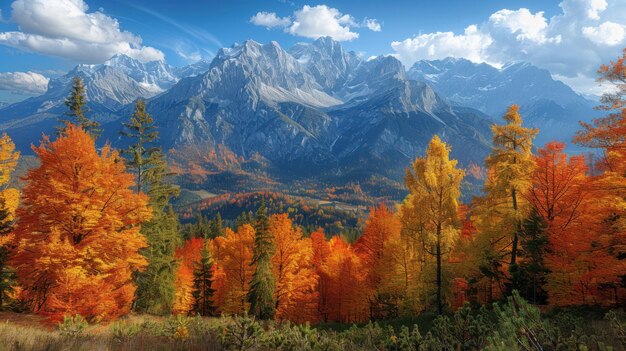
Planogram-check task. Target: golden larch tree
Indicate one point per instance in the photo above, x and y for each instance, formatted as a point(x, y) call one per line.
point(503, 209)
point(430, 209)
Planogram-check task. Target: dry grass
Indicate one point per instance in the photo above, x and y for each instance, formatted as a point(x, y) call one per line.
point(28, 332)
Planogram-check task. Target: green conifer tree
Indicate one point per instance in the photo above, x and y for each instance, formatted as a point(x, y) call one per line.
point(155, 285)
point(76, 103)
point(261, 294)
point(202, 280)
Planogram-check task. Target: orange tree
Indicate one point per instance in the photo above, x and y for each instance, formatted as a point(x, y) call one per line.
point(77, 235)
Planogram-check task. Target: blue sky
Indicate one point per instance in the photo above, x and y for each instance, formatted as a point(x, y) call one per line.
point(39, 38)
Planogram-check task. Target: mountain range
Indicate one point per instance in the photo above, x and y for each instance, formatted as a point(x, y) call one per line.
point(314, 110)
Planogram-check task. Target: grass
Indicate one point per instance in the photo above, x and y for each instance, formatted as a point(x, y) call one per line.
point(508, 327)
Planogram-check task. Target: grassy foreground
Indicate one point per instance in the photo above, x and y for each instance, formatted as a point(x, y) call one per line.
point(514, 325)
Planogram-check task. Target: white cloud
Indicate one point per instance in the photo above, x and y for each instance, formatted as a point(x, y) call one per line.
point(471, 45)
point(608, 33)
point(372, 24)
point(321, 20)
point(523, 24)
point(595, 8)
point(64, 28)
point(269, 20)
point(571, 44)
point(316, 21)
point(23, 83)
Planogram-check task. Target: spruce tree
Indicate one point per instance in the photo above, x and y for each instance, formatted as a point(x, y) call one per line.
point(202, 280)
point(155, 285)
point(216, 227)
point(261, 294)
point(76, 103)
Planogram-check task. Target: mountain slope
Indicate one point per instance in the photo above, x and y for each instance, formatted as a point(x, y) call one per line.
point(314, 110)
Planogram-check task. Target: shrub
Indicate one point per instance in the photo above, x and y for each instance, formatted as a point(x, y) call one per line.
point(72, 326)
point(241, 333)
point(124, 330)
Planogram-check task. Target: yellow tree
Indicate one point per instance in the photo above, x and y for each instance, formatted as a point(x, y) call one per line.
point(8, 203)
point(510, 168)
point(430, 209)
point(77, 235)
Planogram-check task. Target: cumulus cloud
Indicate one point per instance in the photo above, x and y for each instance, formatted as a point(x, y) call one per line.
point(571, 44)
point(316, 21)
point(23, 83)
point(321, 20)
point(608, 33)
point(471, 45)
point(269, 20)
point(66, 29)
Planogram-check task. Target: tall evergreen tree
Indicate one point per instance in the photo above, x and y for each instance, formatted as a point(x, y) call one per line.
point(202, 280)
point(76, 103)
point(261, 294)
point(533, 270)
point(155, 285)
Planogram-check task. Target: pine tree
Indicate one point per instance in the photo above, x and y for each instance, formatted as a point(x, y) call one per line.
point(202, 282)
point(77, 108)
point(261, 293)
point(156, 289)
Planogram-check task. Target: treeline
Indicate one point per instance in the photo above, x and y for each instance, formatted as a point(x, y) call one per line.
point(94, 234)
point(235, 209)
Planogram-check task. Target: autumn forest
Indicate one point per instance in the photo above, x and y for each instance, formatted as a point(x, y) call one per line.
point(92, 238)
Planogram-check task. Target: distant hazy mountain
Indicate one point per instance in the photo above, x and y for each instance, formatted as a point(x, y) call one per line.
point(545, 103)
point(110, 86)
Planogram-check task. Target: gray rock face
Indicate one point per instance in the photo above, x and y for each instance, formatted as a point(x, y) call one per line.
point(313, 109)
point(545, 103)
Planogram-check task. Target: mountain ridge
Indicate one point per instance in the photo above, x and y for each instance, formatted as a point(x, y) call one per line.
point(313, 110)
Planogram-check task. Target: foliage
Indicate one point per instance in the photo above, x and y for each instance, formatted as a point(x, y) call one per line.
point(261, 294)
point(9, 199)
point(77, 232)
point(429, 212)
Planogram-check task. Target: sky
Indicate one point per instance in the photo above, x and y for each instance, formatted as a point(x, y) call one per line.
point(42, 39)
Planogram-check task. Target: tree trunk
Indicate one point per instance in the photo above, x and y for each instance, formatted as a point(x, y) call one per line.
point(438, 254)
